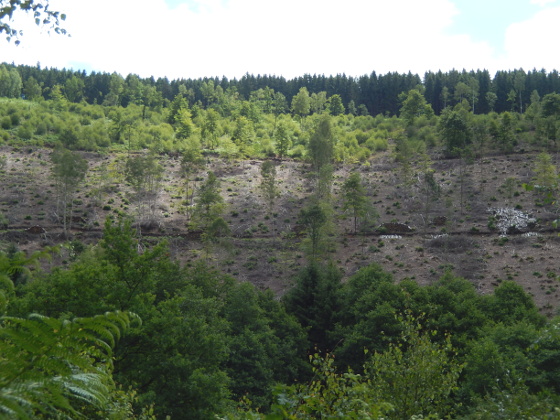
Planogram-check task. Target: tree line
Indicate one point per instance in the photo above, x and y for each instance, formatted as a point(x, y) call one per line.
point(378, 93)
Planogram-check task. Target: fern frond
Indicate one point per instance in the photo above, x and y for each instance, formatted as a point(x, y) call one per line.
point(6, 283)
point(14, 406)
point(48, 365)
point(91, 388)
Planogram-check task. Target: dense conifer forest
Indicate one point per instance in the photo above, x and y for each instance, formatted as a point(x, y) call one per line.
point(375, 247)
point(379, 94)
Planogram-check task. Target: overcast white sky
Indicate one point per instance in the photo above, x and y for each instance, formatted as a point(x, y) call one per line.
point(197, 38)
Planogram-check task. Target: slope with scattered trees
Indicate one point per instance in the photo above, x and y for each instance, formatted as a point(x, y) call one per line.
point(326, 246)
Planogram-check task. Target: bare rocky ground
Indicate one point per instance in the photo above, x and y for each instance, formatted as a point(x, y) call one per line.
point(265, 248)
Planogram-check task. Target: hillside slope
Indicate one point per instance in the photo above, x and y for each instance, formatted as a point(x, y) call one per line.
point(447, 233)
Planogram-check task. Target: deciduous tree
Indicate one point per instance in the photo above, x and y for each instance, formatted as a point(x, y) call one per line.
point(414, 105)
point(243, 133)
point(210, 128)
point(504, 134)
point(74, 89)
point(454, 130)
point(315, 219)
point(321, 143)
point(354, 196)
point(209, 203)
point(10, 81)
point(318, 102)
point(336, 107)
point(282, 136)
point(32, 89)
point(192, 162)
point(415, 375)
point(184, 126)
point(144, 174)
point(268, 182)
point(69, 170)
point(301, 104)
point(491, 99)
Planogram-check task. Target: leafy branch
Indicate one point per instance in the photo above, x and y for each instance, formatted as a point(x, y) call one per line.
point(42, 15)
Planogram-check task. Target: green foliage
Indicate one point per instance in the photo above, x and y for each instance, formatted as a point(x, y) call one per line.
point(314, 301)
point(510, 304)
point(279, 104)
point(209, 203)
point(268, 182)
point(253, 344)
point(414, 375)
point(15, 266)
point(352, 110)
point(318, 102)
point(114, 275)
point(503, 132)
point(515, 402)
point(74, 89)
point(191, 163)
point(210, 128)
point(315, 218)
point(545, 180)
point(133, 273)
point(10, 80)
point(206, 339)
point(550, 105)
point(243, 134)
point(321, 143)
point(55, 368)
point(336, 107)
point(142, 172)
point(413, 106)
point(354, 197)
point(59, 101)
point(184, 126)
point(322, 193)
point(301, 103)
point(69, 170)
point(454, 129)
point(282, 136)
point(220, 118)
point(370, 299)
point(216, 232)
point(329, 395)
point(511, 369)
point(6, 123)
point(175, 358)
point(290, 340)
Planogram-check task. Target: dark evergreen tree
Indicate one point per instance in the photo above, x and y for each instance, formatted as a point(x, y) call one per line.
point(314, 301)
